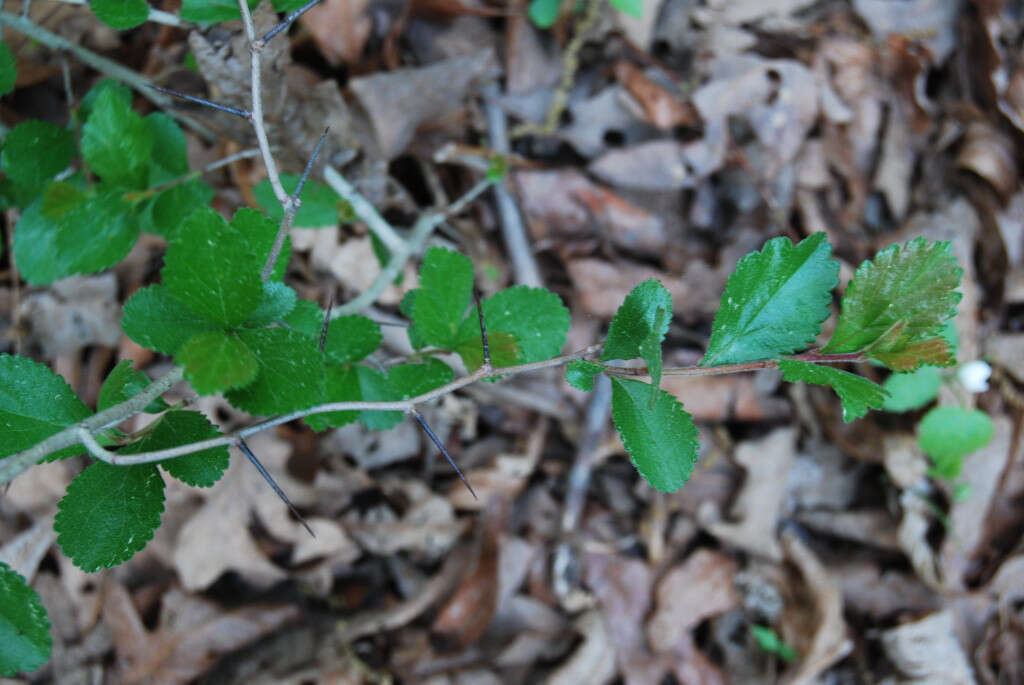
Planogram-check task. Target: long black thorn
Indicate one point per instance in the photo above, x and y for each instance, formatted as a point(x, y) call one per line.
point(245, 114)
point(309, 164)
point(437, 441)
point(287, 21)
point(266, 476)
point(483, 329)
point(327, 322)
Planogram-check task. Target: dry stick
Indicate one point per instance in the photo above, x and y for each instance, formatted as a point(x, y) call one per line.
point(290, 210)
point(288, 20)
point(273, 484)
point(103, 65)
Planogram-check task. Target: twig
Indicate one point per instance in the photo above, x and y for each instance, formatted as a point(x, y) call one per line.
point(290, 210)
point(202, 101)
point(103, 65)
point(512, 230)
point(812, 356)
point(273, 484)
point(369, 215)
point(421, 230)
point(288, 21)
point(440, 445)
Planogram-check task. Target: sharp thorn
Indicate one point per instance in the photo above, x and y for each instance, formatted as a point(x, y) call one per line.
point(433, 437)
point(266, 476)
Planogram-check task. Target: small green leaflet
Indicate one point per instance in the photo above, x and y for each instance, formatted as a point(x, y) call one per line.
point(413, 380)
point(580, 374)
point(543, 13)
point(122, 383)
point(68, 231)
point(319, 202)
point(856, 393)
point(440, 303)
point(639, 327)
point(374, 387)
point(108, 514)
point(170, 207)
point(176, 428)
point(351, 338)
point(948, 434)
point(116, 143)
point(25, 640)
point(35, 151)
point(276, 302)
point(350, 383)
point(634, 8)
point(774, 302)
point(119, 89)
point(211, 266)
point(169, 160)
point(209, 11)
point(307, 318)
point(159, 321)
point(768, 640)
point(910, 356)
point(912, 390)
point(905, 294)
point(260, 232)
point(120, 14)
point(661, 441)
point(216, 361)
point(523, 325)
point(35, 403)
point(8, 70)
point(290, 377)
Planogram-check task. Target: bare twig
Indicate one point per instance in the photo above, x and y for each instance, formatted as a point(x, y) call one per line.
point(366, 212)
point(440, 445)
point(288, 21)
point(273, 484)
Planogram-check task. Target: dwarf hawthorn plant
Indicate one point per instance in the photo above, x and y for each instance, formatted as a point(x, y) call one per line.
point(222, 310)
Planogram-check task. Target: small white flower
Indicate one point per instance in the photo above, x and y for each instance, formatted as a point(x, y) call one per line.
point(974, 376)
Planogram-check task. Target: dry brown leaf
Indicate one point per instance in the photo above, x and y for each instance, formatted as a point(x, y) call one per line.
point(926, 652)
point(756, 509)
point(879, 594)
point(191, 635)
point(827, 643)
point(661, 165)
point(340, 29)
point(593, 661)
point(989, 154)
point(660, 107)
point(1007, 351)
point(73, 313)
point(701, 587)
point(932, 22)
point(24, 552)
point(602, 121)
point(469, 611)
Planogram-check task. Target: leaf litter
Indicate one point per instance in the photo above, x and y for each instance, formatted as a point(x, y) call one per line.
point(688, 138)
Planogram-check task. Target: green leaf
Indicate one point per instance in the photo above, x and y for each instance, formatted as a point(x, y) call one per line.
point(209, 11)
point(285, 6)
point(351, 338)
point(413, 380)
point(319, 202)
point(534, 318)
point(904, 295)
point(35, 151)
point(123, 383)
point(116, 142)
point(909, 356)
point(25, 640)
point(216, 361)
point(307, 318)
point(446, 286)
point(68, 232)
point(342, 385)
point(856, 393)
point(8, 69)
point(176, 428)
point(580, 374)
point(169, 160)
point(120, 14)
point(497, 168)
point(948, 434)
point(769, 641)
point(260, 232)
point(35, 403)
point(108, 514)
point(120, 90)
point(374, 387)
point(406, 306)
point(635, 320)
point(543, 13)
point(661, 441)
point(170, 207)
point(210, 266)
point(276, 302)
point(634, 8)
point(159, 321)
point(912, 390)
point(774, 302)
point(291, 374)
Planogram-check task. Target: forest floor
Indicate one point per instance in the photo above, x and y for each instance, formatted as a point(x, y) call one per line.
point(803, 549)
